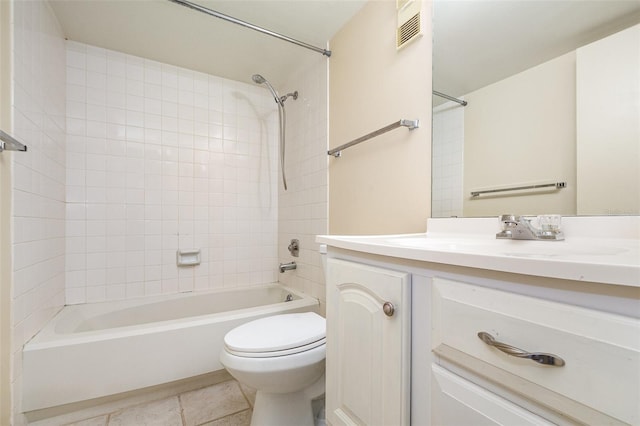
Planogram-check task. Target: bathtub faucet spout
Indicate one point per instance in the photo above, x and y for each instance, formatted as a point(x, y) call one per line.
point(287, 266)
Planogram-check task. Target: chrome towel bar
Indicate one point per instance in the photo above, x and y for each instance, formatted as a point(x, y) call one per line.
point(411, 124)
point(556, 185)
point(9, 143)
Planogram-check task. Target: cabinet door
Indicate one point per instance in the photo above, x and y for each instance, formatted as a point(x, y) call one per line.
point(457, 401)
point(368, 350)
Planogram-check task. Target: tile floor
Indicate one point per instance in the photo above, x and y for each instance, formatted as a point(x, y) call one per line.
point(224, 404)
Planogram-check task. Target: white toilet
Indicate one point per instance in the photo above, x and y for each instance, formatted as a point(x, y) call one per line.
point(282, 357)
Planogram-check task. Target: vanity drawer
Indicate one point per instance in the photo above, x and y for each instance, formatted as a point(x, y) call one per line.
point(601, 351)
point(457, 401)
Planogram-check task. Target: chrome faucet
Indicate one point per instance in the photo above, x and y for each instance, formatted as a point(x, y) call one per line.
point(521, 228)
point(287, 266)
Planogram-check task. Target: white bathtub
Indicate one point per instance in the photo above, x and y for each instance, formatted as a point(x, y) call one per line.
point(93, 350)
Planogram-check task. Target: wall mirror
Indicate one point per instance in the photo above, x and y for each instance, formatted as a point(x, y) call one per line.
point(552, 120)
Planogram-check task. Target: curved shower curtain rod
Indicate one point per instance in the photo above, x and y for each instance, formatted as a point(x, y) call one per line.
point(245, 24)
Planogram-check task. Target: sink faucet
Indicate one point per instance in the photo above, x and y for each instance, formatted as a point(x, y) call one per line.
point(521, 228)
point(287, 266)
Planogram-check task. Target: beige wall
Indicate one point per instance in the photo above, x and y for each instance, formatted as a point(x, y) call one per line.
point(5, 241)
point(608, 114)
point(382, 185)
point(518, 131)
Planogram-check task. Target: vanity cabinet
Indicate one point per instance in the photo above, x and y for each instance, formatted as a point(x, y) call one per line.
point(368, 345)
point(475, 302)
point(585, 337)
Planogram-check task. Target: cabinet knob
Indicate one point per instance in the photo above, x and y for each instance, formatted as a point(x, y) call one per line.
point(388, 309)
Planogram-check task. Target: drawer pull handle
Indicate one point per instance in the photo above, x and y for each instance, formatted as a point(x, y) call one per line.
point(539, 357)
point(388, 309)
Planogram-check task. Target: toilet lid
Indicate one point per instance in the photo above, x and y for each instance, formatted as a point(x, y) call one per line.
point(276, 333)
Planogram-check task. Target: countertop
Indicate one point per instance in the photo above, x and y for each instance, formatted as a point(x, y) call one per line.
point(595, 249)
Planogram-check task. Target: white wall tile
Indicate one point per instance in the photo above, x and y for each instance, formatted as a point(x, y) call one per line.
point(303, 207)
point(146, 178)
point(38, 111)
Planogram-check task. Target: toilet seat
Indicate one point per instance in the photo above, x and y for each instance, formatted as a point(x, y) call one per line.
point(271, 354)
point(276, 336)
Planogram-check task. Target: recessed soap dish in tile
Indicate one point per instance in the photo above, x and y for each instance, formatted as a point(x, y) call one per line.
point(188, 257)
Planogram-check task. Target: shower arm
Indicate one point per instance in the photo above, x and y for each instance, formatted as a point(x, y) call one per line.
point(293, 95)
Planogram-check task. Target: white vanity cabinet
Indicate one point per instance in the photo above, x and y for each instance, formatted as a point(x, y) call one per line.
point(501, 332)
point(368, 345)
point(589, 333)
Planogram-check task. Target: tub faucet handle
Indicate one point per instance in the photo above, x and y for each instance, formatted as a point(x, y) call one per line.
point(294, 247)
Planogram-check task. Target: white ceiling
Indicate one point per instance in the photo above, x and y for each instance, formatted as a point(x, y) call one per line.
point(479, 42)
point(174, 34)
point(476, 42)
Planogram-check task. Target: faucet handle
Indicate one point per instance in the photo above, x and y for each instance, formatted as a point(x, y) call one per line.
point(550, 222)
point(507, 221)
point(509, 218)
point(550, 227)
point(294, 247)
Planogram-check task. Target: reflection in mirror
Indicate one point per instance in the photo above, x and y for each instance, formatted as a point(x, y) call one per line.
point(553, 107)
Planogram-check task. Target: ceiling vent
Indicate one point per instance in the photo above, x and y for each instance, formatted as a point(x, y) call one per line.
point(409, 22)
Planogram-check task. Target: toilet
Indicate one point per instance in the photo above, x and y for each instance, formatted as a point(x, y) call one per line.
point(282, 357)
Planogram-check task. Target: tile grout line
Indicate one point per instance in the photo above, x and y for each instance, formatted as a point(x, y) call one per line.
point(245, 395)
point(184, 422)
point(223, 417)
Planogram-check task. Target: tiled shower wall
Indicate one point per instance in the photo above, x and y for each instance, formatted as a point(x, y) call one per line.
point(303, 207)
point(38, 178)
point(448, 153)
point(160, 159)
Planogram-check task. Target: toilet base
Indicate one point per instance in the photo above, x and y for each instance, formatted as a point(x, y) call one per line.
point(286, 409)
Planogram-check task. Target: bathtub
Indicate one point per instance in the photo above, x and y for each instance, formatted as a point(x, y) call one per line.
point(94, 350)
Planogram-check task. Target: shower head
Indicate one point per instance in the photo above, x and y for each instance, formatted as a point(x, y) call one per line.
point(257, 78)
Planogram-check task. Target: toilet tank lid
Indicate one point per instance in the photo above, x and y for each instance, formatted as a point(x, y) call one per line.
point(277, 333)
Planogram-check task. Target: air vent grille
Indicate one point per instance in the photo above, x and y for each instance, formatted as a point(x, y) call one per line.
point(408, 30)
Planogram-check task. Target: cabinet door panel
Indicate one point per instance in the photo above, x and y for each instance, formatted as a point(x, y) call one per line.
point(360, 327)
point(368, 352)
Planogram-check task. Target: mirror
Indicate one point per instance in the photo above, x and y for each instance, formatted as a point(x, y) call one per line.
point(552, 121)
